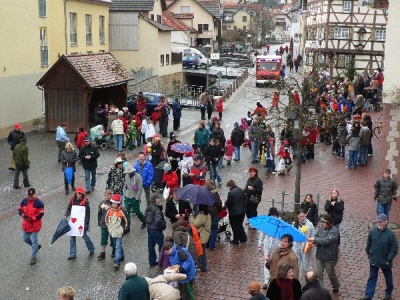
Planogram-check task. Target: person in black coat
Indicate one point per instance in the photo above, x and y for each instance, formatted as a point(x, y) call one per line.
point(237, 137)
point(13, 139)
point(313, 290)
point(253, 190)
point(174, 157)
point(335, 207)
point(236, 205)
point(309, 206)
point(176, 209)
point(89, 155)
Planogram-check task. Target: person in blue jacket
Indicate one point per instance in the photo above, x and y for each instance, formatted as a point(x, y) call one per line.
point(180, 256)
point(146, 170)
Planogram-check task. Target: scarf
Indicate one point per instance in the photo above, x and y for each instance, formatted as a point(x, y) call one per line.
point(286, 286)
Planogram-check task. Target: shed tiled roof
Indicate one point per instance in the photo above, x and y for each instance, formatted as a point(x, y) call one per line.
point(212, 6)
point(156, 24)
point(171, 21)
point(132, 5)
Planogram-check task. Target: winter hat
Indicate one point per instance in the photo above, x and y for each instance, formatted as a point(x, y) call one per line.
point(87, 139)
point(167, 167)
point(273, 212)
point(31, 192)
point(172, 136)
point(236, 124)
point(381, 218)
point(156, 137)
point(17, 126)
point(154, 197)
point(80, 190)
point(120, 113)
point(116, 198)
point(130, 269)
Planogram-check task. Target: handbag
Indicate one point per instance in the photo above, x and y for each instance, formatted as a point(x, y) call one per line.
point(254, 199)
point(166, 192)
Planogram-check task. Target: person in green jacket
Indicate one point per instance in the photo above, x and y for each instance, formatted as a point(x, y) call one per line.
point(20, 156)
point(135, 286)
point(201, 136)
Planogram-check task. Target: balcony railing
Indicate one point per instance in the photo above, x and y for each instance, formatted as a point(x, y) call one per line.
point(44, 56)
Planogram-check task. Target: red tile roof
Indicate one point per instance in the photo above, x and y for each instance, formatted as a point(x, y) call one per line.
point(170, 20)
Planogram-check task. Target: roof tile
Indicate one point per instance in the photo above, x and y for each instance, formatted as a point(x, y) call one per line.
point(132, 5)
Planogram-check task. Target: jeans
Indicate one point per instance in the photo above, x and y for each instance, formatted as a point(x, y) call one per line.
point(154, 237)
point(24, 170)
point(373, 278)
point(89, 184)
point(214, 173)
point(214, 232)
point(118, 142)
point(202, 263)
point(237, 228)
point(135, 205)
point(220, 161)
point(119, 251)
point(72, 244)
point(255, 148)
point(138, 139)
point(383, 208)
point(352, 163)
point(330, 270)
point(341, 151)
point(237, 152)
point(362, 154)
point(370, 150)
point(31, 238)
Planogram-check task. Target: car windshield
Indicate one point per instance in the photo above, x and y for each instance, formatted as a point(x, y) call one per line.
point(150, 98)
point(267, 66)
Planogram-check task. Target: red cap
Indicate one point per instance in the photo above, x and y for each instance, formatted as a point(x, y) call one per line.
point(17, 126)
point(116, 198)
point(80, 190)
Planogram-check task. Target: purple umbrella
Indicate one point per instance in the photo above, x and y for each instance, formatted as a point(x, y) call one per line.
point(181, 147)
point(195, 194)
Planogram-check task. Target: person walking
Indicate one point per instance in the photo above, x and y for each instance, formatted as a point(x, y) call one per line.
point(68, 159)
point(31, 210)
point(116, 177)
point(382, 248)
point(176, 114)
point(146, 171)
point(237, 137)
point(255, 133)
point(132, 191)
point(22, 163)
point(89, 155)
point(203, 102)
point(202, 137)
point(79, 199)
point(385, 192)
point(236, 205)
point(135, 286)
point(327, 241)
point(61, 139)
point(156, 224)
point(13, 139)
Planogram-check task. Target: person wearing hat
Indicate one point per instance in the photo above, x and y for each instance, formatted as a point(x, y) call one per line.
point(385, 192)
point(79, 199)
point(22, 163)
point(176, 114)
point(117, 127)
point(135, 286)
point(61, 139)
point(382, 248)
point(158, 151)
point(254, 290)
point(31, 210)
point(133, 188)
point(198, 172)
point(68, 159)
point(237, 138)
point(117, 222)
point(89, 155)
point(156, 224)
point(13, 139)
point(268, 244)
point(115, 180)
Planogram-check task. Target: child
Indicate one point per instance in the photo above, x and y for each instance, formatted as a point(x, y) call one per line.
point(243, 124)
point(130, 135)
point(163, 259)
point(249, 118)
point(270, 155)
point(104, 206)
point(229, 149)
point(220, 107)
point(116, 223)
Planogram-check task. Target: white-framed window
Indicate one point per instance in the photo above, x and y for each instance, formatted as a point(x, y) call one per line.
point(380, 35)
point(72, 29)
point(341, 33)
point(185, 9)
point(42, 8)
point(347, 7)
point(44, 53)
point(88, 19)
point(344, 61)
point(161, 60)
point(102, 38)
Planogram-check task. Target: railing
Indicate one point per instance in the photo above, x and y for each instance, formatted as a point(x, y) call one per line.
point(284, 202)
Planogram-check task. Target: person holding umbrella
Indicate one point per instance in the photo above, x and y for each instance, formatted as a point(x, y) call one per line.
point(31, 210)
point(176, 209)
point(236, 205)
point(174, 156)
point(68, 160)
point(253, 190)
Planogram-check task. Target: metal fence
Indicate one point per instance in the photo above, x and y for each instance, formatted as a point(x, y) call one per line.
point(286, 201)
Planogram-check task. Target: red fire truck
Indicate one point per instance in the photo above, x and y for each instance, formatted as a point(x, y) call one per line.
point(268, 69)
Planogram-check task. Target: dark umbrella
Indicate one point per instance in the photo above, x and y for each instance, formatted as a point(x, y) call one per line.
point(181, 147)
point(195, 194)
point(69, 173)
point(62, 229)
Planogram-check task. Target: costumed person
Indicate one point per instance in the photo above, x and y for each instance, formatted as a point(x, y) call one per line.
point(185, 164)
point(115, 180)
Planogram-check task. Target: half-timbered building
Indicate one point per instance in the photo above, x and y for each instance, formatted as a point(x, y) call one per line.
point(340, 32)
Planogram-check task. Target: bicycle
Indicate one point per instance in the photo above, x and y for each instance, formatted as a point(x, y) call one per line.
point(377, 130)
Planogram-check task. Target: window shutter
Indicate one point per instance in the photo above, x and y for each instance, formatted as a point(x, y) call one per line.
point(372, 36)
point(351, 32)
point(331, 32)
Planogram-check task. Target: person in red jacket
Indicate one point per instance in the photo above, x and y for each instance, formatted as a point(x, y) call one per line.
point(31, 210)
point(220, 107)
point(170, 178)
point(80, 138)
point(198, 172)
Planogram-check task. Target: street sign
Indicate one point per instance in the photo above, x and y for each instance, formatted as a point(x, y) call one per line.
point(219, 74)
point(214, 55)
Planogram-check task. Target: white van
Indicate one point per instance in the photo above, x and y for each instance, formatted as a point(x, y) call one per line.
point(187, 51)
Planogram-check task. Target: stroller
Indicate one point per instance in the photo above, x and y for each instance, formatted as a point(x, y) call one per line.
point(158, 185)
point(100, 137)
point(223, 224)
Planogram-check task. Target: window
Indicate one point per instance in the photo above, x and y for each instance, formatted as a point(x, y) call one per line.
point(202, 27)
point(162, 60)
point(244, 27)
point(44, 54)
point(72, 29)
point(341, 33)
point(42, 8)
point(380, 35)
point(167, 59)
point(244, 19)
point(88, 29)
point(101, 30)
point(347, 7)
point(152, 17)
point(159, 19)
point(185, 9)
point(344, 61)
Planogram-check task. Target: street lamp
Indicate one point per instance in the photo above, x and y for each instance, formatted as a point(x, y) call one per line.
point(207, 48)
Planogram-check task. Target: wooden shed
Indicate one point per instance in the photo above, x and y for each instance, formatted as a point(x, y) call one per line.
point(76, 83)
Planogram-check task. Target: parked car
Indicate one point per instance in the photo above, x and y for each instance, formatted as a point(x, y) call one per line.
point(152, 100)
point(190, 62)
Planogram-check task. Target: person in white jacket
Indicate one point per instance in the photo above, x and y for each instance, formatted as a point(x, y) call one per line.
point(117, 127)
point(148, 129)
point(269, 244)
point(185, 164)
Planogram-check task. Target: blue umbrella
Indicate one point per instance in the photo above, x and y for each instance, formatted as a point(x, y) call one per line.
point(195, 194)
point(275, 227)
point(62, 229)
point(181, 147)
point(69, 174)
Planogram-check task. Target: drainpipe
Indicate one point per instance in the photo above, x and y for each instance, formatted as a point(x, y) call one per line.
point(65, 27)
point(43, 100)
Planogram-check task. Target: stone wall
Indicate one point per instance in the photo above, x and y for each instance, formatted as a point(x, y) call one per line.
point(155, 84)
point(391, 139)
